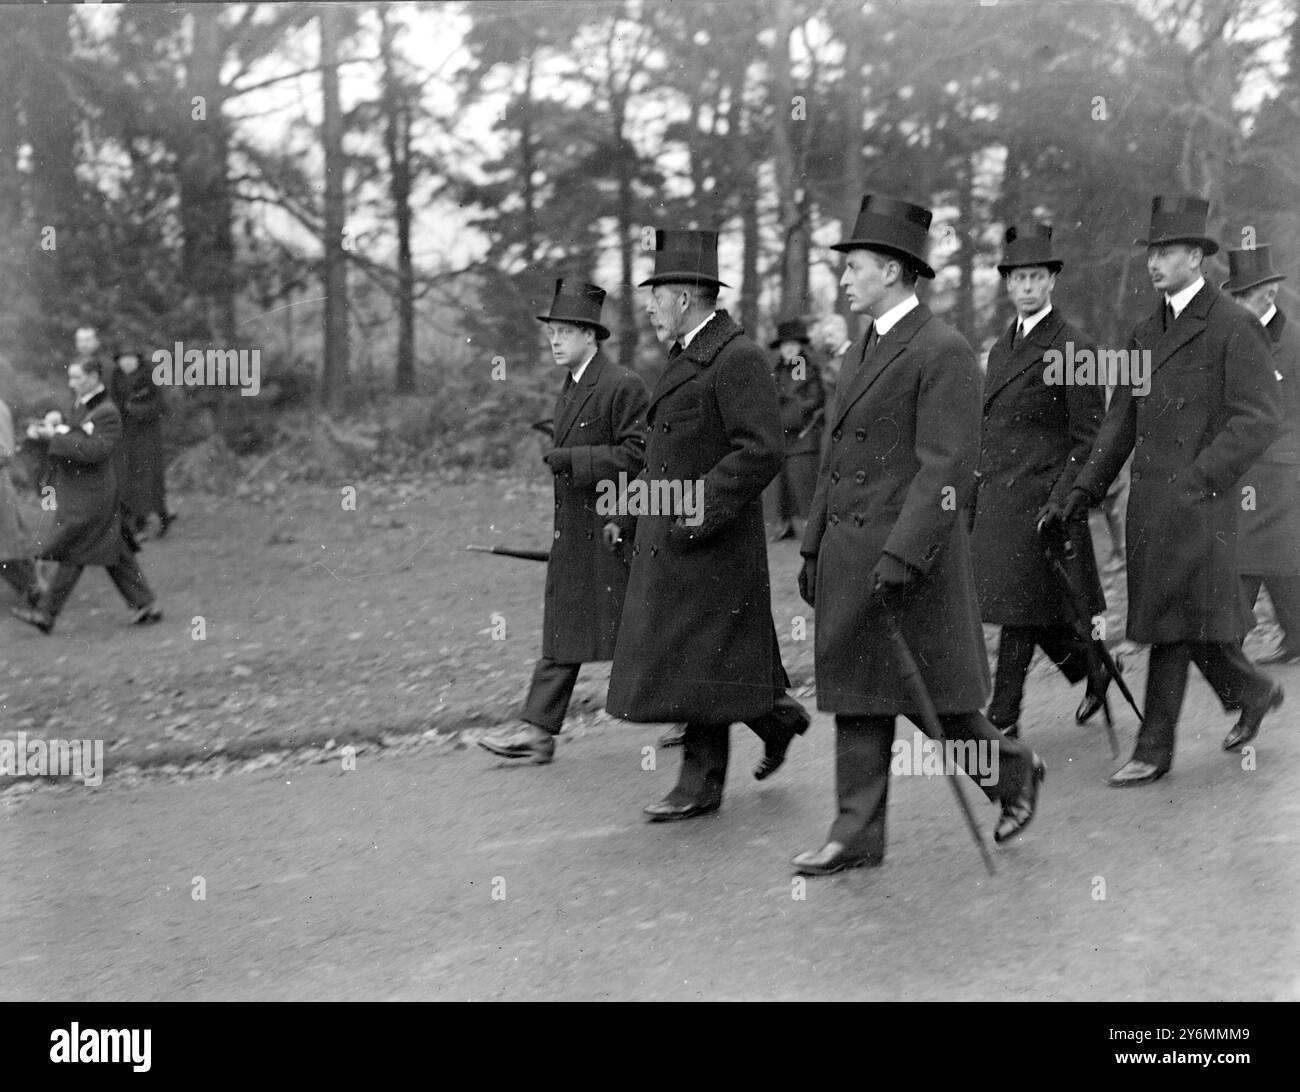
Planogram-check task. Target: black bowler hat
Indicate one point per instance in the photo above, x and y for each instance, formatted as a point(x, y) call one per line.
point(685, 257)
point(1179, 220)
point(579, 303)
point(790, 330)
point(1249, 269)
point(1025, 246)
point(895, 227)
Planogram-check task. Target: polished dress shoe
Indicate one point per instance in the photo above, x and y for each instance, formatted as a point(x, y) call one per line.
point(1094, 700)
point(674, 737)
point(34, 617)
point(1281, 655)
point(1135, 773)
point(832, 857)
point(1012, 731)
point(1017, 813)
point(668, 811)
point(774, 752)
point(147, 616)
point(524, 741)
point(1247, 727)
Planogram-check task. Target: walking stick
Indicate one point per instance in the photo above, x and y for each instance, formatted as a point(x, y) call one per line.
point(1058, 549)
point(930, 722)
point(506, 551)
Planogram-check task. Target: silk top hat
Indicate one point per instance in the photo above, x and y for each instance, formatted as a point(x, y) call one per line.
point(1028, 245)
point(1249, 269)
point(579, 303)
point(685, 257)
point(790, 330)
point(895, 227)
point(1179, 220)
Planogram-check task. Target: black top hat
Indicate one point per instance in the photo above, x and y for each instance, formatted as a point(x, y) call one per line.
point(1028, 245)
point(896, 227)
point(790, 330)
point(1249, 269)
point(685, 257)
point(579, 303)
point(1179, 220)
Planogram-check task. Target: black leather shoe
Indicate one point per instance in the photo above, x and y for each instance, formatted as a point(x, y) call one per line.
point(667, 812)
point(34, 617)
point(832, 857)
point(774, 753)
point(147, 616)
point(1281, 655)
point(1094, 699)
point(1012, 731)
point(1134, 773)
point(674, 737)
point(522, 741)
point(1017, 813)
point(1247, 726)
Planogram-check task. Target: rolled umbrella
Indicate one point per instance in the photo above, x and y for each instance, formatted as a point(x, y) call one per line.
point(930, 722)
point(507, 551)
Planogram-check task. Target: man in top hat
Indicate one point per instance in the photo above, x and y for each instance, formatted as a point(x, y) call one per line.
point(85, 526)
point(598, 434)
point(801, 400)
point(697, 642)
point(887, 533)
point(1209, 412)
point(1269, 549)
point(1036, 437)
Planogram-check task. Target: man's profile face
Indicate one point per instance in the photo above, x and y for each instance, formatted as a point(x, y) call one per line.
point(1259, 299)
point(667, 305)
point(570, 344)
point(80, 380)
point(1030, 289)
point(864, 280)
point(1173, 266)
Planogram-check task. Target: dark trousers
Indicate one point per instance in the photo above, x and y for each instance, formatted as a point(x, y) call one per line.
point(1235, 680)
point(19, 574)
point(707, 747)
point(549, 694)
point(862, 757)
point(1284, 591)
point(1016, 651)
point(124, 573)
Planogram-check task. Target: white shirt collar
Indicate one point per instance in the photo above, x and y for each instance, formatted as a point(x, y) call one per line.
point(90, 394)
point(1182, 298)
point(890, 318)
point(1027, 324)
point(686, 339)
point(848, 344)
point(1267, 316)
point(577, 372)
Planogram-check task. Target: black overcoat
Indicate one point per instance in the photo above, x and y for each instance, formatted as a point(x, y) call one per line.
point(140, 463)
point(602, 426)
point(1034, 440)
point(697, 641)
point(897, 479)
point(1210, 413)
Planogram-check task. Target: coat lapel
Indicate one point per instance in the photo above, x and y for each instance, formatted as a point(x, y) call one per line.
point(699, 354)
point(1190, 324)
point(578, 397)
point(1006, 366)
point(888, 347)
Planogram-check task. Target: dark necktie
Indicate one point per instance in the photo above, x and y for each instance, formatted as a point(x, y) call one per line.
point(873, 338)
point(1017, 334)
point(675, 351)
point(1169, 314)
point(569, 384)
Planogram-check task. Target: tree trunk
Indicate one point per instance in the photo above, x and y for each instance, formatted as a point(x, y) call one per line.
point(785, 161)
point(966, 254)
point(335, 260)
point(397, 143)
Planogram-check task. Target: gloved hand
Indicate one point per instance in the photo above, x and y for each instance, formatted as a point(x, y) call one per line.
point(1051, 513)
point(612, 536)
point(892, 581)
point(560, 460)
point(682, 536)
point(808, 581)
point(1077, 503)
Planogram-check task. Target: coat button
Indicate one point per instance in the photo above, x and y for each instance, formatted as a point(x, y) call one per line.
point(635, 550)
point(1178, 441)
point(835, 436)
point(833, 518)
point(1180, 403)
point(859, 519)
point(557, 534)
point(665, 426)
point(1135, 476)
point(654, 551)
point(860, 477)
point(589, 534)
point(860, 434)
point(663, 468)
point(1141, 439)
point(835, 476)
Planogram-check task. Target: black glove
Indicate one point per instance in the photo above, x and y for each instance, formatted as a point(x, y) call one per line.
point(808, 581)
point(1051, 513)
point(1077, 503)
point(681, 536)
point(892, 580)
point(560, 460)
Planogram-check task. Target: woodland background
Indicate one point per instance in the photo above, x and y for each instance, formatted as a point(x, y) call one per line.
point(378, 196)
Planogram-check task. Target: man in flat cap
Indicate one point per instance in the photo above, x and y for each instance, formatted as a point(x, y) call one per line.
point(1209, 412)
point(801, 400)
point(697, 643)
point(887, 534)
point(1037, 434)
point(598, 434)
point(1269, 550)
